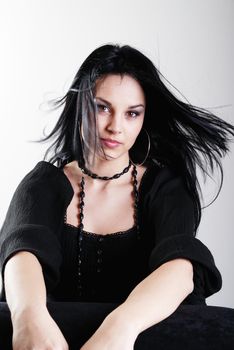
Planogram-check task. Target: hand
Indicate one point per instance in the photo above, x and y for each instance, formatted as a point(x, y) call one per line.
point(112, 335)
point(36, 329)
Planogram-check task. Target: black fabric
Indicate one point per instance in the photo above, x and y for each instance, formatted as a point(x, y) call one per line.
point(112, 265)
point(171, 216)
point(34, 222)
point(193, 327)
point(34, 239)
point(190, 248)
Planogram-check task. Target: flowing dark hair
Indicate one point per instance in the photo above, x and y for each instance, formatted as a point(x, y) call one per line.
point(182, 135)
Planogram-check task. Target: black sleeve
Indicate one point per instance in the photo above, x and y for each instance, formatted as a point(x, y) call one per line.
point(172, 216)
point(31, 224)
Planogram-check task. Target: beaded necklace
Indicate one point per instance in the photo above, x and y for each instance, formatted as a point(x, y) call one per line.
point(116, 176)
point(81, 215)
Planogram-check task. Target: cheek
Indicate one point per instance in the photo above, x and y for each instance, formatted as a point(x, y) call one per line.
point(100, 123)
point(138, 127)
point(134, 132)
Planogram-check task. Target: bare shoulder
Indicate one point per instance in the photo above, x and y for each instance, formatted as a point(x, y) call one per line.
point(72, 171)
point(141, 169)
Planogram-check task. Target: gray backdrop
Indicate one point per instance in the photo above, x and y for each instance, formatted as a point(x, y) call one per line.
point(44, 42)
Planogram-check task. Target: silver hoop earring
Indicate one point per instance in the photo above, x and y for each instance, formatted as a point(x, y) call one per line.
point(149, 145)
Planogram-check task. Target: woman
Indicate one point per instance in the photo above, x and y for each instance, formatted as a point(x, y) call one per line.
point(115, 221)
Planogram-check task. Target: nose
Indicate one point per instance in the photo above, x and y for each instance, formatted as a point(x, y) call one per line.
point(115, 125)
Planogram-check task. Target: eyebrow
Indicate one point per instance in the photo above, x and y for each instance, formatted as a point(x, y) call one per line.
point(108, 103)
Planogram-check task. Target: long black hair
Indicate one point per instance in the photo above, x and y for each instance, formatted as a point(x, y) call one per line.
point(182, 135)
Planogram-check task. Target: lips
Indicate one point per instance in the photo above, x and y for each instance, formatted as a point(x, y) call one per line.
point(110, 143)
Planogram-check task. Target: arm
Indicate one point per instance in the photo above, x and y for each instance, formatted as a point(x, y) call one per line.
point(25, 288)
point(169, 215)
point(33, 221)
point(156, 297)
point(24, 284)
point(151, 301)
point(30, 256)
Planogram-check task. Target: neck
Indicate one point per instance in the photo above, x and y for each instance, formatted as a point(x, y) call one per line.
point(103, 167)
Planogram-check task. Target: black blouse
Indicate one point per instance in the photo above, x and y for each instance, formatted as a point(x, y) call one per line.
point(112, 265)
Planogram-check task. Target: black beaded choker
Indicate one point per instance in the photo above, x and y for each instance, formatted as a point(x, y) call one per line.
point(116, 176)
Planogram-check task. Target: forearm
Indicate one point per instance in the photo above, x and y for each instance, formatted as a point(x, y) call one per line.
point(24, 283)
point(156, 297)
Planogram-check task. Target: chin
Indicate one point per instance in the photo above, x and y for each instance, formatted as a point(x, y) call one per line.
point(112, 156)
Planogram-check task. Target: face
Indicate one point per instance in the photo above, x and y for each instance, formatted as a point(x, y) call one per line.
point(120, 113)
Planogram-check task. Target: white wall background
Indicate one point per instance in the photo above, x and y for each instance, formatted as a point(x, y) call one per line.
point(43, 42)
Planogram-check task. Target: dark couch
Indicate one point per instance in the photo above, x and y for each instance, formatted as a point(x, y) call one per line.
point(190, 327)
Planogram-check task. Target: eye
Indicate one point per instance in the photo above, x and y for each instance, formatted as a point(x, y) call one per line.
point(102, 108)
point(134, 114)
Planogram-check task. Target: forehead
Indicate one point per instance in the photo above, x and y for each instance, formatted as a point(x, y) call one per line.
point(115, 84)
